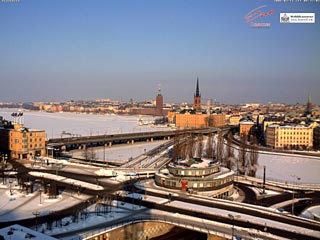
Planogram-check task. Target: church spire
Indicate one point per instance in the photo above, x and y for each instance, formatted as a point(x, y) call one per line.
point(197, 89)
point(309, 106)
point(197, 98)
point(309, 98)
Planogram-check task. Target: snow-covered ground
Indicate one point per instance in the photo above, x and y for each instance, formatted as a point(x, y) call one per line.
point(312, 213)
point(66, 180)
point(18, 232)
point(294, 169)
point(121, 153)
point(19, 205)
point(290, 168)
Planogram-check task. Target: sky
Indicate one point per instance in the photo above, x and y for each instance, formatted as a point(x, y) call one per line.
point(93, 49)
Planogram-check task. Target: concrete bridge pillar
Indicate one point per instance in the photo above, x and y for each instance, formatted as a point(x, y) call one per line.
point(63, 148)
point(151, 139)
point(132, 141)
point(84, 146)
point(110, 144)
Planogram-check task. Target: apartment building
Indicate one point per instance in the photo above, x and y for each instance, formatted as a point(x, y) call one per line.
point(289, 136)
point(21, 142)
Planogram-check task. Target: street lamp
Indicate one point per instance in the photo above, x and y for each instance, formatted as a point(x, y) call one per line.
point(10, 186)
point(36, 213)
point(233, 217)
point(3, 166)
point(296, 178)
point(40, 191)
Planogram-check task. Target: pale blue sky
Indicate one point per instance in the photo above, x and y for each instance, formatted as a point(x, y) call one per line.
point(89, 49)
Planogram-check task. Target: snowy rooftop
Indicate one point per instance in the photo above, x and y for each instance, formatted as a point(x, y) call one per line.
point(287, 126)
point(246, 122)
point(204, 163)
point(18, 232)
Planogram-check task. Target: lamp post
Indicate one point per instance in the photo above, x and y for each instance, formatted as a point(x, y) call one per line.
point(2, 168)
point(233, 217)
point(10, 186)
point(40, 191)
point(36, 213)
point(296, 178)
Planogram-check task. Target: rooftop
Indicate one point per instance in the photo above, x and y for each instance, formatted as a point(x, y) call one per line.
point(18, 232)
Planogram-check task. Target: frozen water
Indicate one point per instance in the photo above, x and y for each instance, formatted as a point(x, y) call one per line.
point(80, 124)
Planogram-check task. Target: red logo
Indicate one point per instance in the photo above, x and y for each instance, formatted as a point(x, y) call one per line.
point(255, 17)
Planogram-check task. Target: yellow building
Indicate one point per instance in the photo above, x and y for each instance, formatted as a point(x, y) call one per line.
point(187, 120)
point(289, 137)
point(272, 120)
point(234, 119)
point(21, 142)
point(192, 119)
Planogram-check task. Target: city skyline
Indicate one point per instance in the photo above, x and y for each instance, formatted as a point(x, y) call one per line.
point(59, 51)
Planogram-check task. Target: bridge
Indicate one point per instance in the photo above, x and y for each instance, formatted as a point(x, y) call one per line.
point(212, 217)
point(71, 143)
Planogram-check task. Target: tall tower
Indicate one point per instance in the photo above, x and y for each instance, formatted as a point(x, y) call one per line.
point(197, 98)
point(159, 103)
point(309, 106)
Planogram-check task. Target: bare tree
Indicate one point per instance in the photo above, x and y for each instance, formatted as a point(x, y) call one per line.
point(191, 146)
point(93, 155)
point(85, 153)
point(200, 146)
point(242, 156)
point(229, 152)
point(183, 145)
point(253, 159)
point(209, 146)
point(220, 147)
point(89, 154)
point(229, 149)
point(176, 150)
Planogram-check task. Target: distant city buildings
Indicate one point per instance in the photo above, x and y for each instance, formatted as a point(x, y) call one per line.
point(156, 109)
point(251, 118)
point(195, 117)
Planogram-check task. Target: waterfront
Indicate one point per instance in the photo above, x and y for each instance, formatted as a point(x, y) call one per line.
point(74, 124)
point(278, 167)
